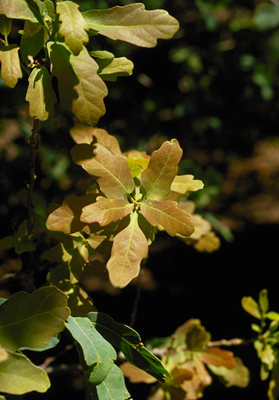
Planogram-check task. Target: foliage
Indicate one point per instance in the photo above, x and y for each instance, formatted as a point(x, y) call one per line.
point(131, 197)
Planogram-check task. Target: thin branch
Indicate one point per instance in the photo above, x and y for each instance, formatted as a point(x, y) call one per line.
point(228, 343)
point(34, 147)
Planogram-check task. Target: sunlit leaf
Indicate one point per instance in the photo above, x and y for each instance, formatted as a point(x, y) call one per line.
point(251, 306)
point(136, 375)
point(129, 248)
point(18, 375)
point(192, 334)
point(263, 301)
point(31, 10)
point(97, 355)
point(110, 171)
point(67, 217)
point(157, 178)
point(120, 66)
point(133, 24)
point(169, 216)
point(40, 94)
point(217, 357)
point(238, 376)
point(10, 64)
point(31, 320)
point(73, 26)
point(105, 211)
point(129, 342)
point(81, 90)
point(185, 183)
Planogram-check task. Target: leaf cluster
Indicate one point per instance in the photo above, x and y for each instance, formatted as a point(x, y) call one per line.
point(267, 341)
point(189, 356)
point(135, 196)
point(56, 45)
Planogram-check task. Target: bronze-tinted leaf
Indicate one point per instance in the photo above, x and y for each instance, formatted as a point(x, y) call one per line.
point(169, 216)
point(81, 90)
point(87, 134)
point(67, 217)
point(157, 178)
point(129, 248)
point(110, 171)
point(217, 357)
point(105, 211)
point(32, 10)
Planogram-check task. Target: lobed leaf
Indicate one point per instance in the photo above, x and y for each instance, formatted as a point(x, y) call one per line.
point(31, 10)
point(97, 355)
point(157, 178)
point(185, 183)
point(105, 211)
point(40, 94)
point(110, 171)
point(18, 375)
point(133, 24)
point(129, 342)
point(81, 90)
point(129, 248)
point(217, 357)
point(73, 26)
point(111, 70)
point(238, 376)
point(167, 214)
point(66, 218)
point(10, 65)
point(31, 320)
point(81, 133)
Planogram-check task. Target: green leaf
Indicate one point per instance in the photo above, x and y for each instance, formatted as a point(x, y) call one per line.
point(5, 25)
point(73, 26)
point(10, 65)
point(32, 10)
point(97, 355)
point(263, 301)
point(40, 94)
point(105, 211)
point(31, 320)
point(129, 248)
point(251, 307)
point(108, 390)
point(167, 214)
point(129, 342)
point(133, 24)
point(33, 39)
point(110, 70)
point(18, 375)
point(81, 90)
point(110, 171)
point(157, 178)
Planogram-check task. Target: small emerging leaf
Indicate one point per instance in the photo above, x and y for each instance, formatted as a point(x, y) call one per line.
point(133, 24)
point(5, 25)
point(129, 248)
point(251, 306)
point(73, 26)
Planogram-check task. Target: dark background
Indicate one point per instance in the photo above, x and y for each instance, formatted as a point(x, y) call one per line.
point(214, 87)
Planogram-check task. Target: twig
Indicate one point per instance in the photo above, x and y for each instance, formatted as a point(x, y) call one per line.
point(228, 343)
point(34, 147)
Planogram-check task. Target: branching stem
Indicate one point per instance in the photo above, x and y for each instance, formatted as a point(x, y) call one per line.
point(34, 147)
